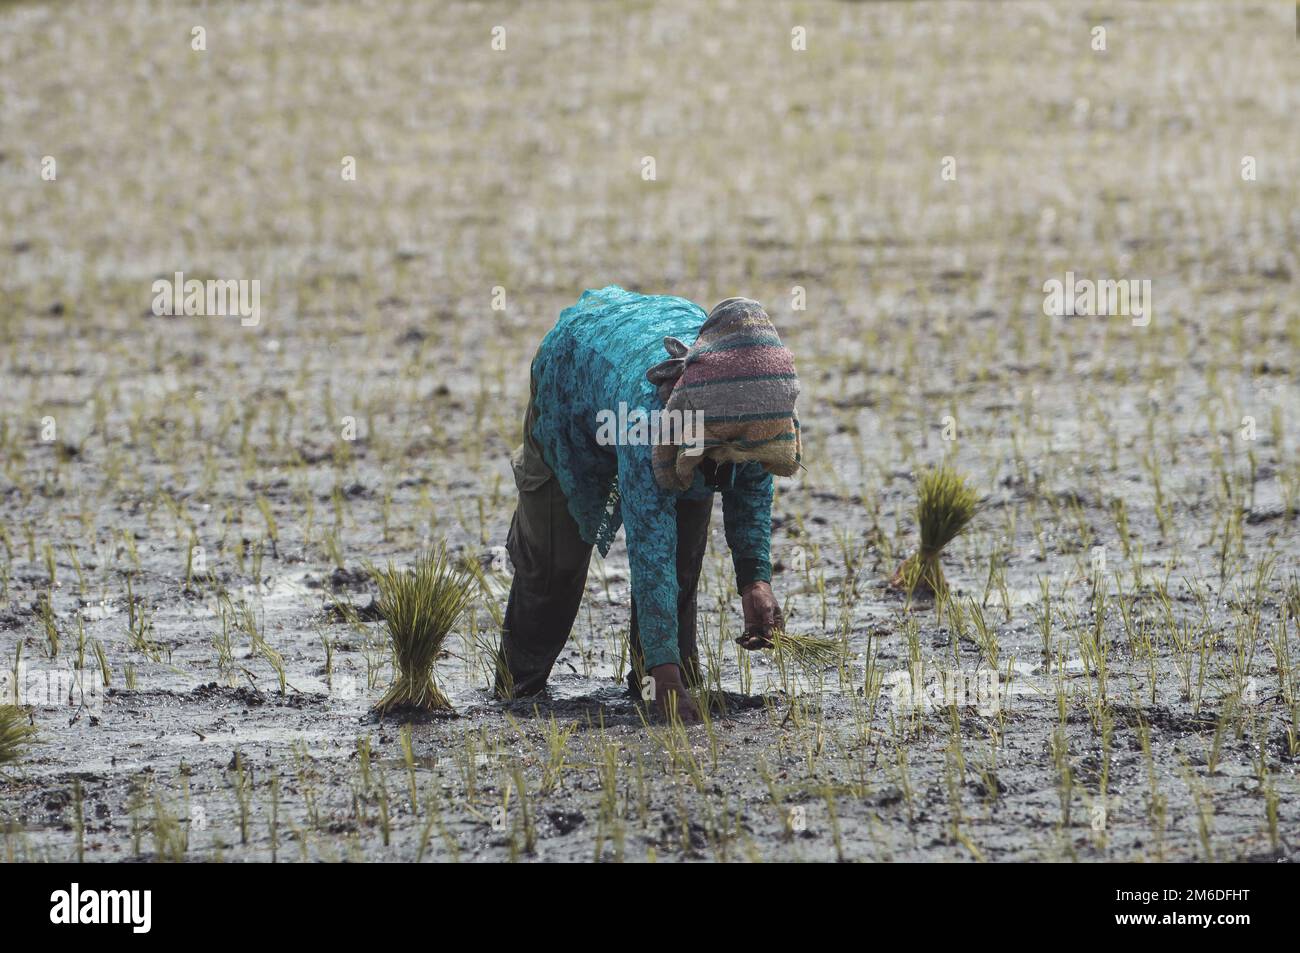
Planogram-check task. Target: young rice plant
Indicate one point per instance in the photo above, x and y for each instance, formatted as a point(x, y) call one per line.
point(944, 507)
point(419, 607)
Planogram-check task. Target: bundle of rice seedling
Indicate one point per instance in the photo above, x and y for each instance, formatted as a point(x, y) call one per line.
point(944, 506)
point(811, 653)
point(16, 733)
point(419, 606)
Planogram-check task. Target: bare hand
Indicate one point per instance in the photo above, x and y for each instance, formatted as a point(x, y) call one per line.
point(762, 616)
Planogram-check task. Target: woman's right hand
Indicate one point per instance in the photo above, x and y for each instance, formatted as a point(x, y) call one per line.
point(762, 616)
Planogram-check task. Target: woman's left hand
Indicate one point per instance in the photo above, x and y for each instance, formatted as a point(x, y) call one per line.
point(762, 616)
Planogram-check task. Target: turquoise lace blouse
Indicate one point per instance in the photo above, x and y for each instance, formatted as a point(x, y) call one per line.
point(595, 357)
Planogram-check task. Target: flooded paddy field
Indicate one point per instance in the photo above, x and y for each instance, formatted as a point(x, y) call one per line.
point(189, 502)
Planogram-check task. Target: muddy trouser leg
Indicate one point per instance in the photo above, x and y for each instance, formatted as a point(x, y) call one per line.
point(550, 563)
point(692, 540)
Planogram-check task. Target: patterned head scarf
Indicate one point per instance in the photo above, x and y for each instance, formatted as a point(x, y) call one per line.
point(740, 375)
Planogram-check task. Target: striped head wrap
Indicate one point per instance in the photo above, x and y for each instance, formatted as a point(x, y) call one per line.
point(740, 375)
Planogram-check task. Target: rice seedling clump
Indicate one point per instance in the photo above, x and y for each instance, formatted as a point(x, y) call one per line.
point(16, 734)
point(945, 506)
point(811, 653)
point(419, 607)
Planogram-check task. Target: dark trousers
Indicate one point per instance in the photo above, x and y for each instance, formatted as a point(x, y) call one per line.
point(550, 563)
